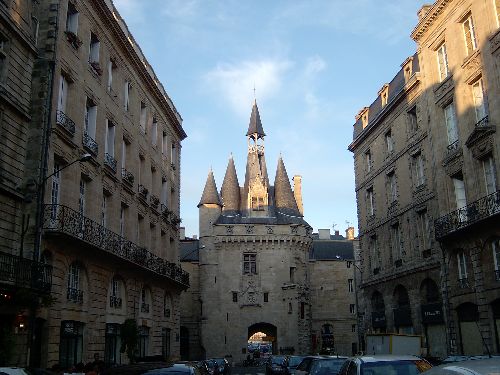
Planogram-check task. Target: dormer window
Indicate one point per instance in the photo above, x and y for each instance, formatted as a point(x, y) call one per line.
point(384, 95)
point(258, 204)
point(407, 66)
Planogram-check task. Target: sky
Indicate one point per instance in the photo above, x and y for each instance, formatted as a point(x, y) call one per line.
point(313, 63)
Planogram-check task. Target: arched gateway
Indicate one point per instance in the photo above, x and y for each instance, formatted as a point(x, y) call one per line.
point(271, 333)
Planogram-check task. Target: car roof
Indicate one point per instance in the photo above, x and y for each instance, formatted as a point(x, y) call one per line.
point(481, 366)
point(387, 357)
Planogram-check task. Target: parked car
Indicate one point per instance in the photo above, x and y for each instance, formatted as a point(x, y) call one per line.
point(211, 366)
point(293, 362)
point(321, 366)
point(385, 364)
point(470, 367)
point(175, 369)
point(277, 365)
point(12, 371)
point(224, 366)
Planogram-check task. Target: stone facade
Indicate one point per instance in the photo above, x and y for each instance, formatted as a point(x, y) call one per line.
point(424, 154)
point(102, 186)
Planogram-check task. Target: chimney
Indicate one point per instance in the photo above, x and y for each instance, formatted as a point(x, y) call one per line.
point(195, 236)
point(423, 11)
point(182, 233)
point(337, 233)
point(324, 234)
point(349, 233)
point(297, 192)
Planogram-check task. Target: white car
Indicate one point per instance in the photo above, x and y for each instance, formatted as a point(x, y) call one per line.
point(488, 366)
point(385, 365)
point(12, 371)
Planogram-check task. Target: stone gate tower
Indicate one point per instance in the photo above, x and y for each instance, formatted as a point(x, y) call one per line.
point(253, 257)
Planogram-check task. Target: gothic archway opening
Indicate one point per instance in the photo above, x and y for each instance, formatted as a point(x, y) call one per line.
point(263, 337)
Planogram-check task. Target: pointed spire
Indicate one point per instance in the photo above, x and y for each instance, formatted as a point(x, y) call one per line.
point(230, 190)
point(210, 194)
point(255, 126)
point(283, 195)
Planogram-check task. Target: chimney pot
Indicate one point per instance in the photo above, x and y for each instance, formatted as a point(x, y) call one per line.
point(337, 233)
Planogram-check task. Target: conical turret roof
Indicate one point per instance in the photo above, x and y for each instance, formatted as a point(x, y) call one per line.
point(210, 194)
point(283, 194)
point(230, 190)
point(255, 126)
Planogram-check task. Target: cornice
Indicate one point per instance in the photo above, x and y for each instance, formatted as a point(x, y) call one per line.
point(424, 24)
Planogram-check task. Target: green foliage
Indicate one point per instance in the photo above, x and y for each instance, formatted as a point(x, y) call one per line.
point(130, 338)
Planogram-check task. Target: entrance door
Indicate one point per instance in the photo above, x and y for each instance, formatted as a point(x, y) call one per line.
point(36, 351)
point(436, 339)
point(184, 343)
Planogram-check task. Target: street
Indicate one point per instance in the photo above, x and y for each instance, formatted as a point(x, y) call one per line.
point(251, 370)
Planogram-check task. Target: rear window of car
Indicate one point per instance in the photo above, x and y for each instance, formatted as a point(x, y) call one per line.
point(395, 367)
point(326, 366)
point(294, 361)
point(277, 360)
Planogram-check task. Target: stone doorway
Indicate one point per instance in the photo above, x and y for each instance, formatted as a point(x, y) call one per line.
point(264, 334)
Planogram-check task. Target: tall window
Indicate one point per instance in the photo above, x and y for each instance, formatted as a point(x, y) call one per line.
point(154, 132)
point(374, 253)
point(164, 144)
point(71, 343)
point(469, 35)
point(164, 193)
point(489, 175)
point(143, 341)
point(479, 100)
point(165, 342)
point(90, 118)
point(370, 202)
point(397, 246)
point(112, 344)
point(460, 196)
point(495, 246)
point(393, 191)
point(250, 264)
point(389, 142)
point(350, 285)
point(94, 49)
point(74, 276)
point(423, 230)
point(462, 266)
point(369, 161)
point(54, 194)
point(104, 205)
point(418, 169)
point(63, 94)
point(451, 123)
point(72, 19)
point(352, 308)
point(122, 220)
point(412, 120)
point(124, 154)
point(81, 199)
point(442, 58)
point(143, 118)
point(173, 154)
point(126, 95)
point(110, 138)
point(111, 72)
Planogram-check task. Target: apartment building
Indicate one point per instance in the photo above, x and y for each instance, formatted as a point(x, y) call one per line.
point(458, 44)
point(102, 157)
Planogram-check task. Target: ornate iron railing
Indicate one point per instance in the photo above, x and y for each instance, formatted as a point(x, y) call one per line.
point(472, 213)
point(143, 191)
point(145, 307)
point(497, 275)
point(90, 144)
point(154, 201)
point(463, 283)
point(65, 122)
point(62, 219)
point(25, 273)
point(110, 161)
point(484, 122)
point(127, 177)
point(115, 302)
point(74, 295)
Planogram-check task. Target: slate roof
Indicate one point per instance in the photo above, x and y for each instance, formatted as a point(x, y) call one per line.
point(330, 249)
point(189, 250)
point(210, 194)
point(230, 190)
point(255, 125)
point(283, 194)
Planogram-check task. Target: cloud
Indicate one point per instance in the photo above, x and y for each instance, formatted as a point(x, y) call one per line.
point(181, 9)
point(314, 65)
point(235, 82)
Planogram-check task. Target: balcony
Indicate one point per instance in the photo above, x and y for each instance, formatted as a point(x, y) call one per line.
point(497, 275)
point(127, 177)
point(452, 148)
point(110, 162)
point(65, 122)
point(115, 302)
point(90, 144)
point(145, 307)
point(74, 295)
point(143, 192)
point(59, 219)
point(25, 273)
point(463, 283)
point(466, 216)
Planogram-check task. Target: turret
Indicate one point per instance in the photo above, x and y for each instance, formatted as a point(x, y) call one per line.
point(209, 207)
point(284, 198)
point(230, 191)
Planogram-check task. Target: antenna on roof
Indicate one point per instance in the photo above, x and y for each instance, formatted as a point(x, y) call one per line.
point(333, 226)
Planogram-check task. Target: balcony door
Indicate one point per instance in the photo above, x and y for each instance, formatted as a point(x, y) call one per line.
point(460, 197)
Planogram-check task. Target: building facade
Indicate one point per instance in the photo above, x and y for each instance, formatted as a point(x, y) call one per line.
point(103, 172)
point(426, 164)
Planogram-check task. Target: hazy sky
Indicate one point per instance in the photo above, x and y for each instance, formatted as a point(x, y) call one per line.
point(314, 65)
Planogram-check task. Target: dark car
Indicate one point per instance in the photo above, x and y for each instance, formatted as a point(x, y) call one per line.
point(320, 366)
point(211, 366)
point(223, 364)
point(277, 365)
point(293, 362)
point(175, 369)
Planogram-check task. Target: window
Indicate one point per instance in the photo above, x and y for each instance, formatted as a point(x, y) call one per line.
point(258, 204)
point(384, 98)
point(72, 19)
point(489, 175)
point(115, 299)
point(451, 123)
point(412, 121)
point(479, 100)
point(63, 94)
point(348, 264)
point(3, 53)
point(154, 132)
point(370, 202)
point(140, 225)
point(124, 155)
point(469, 35)
point(350, 284)
point(143, 341)
point(235, 296)
point(173, 155)
point(364, 119)
point(90, 118)
point(292, 274)
point(418, 169)
point(250, 264)
point(122, 220)
point(110, 139)
point(164, 194)
point(327, 340)
point(54, 194)
point(104, 204)
point(94, 50)
point(374, 253)
point(112, 344)
point(495, 245)
point(71, 343)
point(165, 342)
point(143, 118)
point(290, 308)
point(423, 230)
point(389, 142)
point(442, 62)
point(460, 196)
point(266, 296)
point(397, 246)
point(111, 72)
point(167, 309)
point(353, 328)
point(369, 161)
point(462, 266)
point(164, 144)
point(393, 191)
point(352, 308)
point(126, 95)
point(74, 294)
point(81, 200)
point(145, 300)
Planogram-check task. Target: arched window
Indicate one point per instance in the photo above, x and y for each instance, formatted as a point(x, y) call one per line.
point(429, 291)
point(74, 293)
point(167, 306)
point(401, 298)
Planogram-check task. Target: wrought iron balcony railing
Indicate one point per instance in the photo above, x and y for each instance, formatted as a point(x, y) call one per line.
point(463, 283)
point(110, 161)
point(25, 273)
point(90, 144)
point(484, 122)
point(127, 177)
point(154, 201)
point(470, 214)
point(65, 122)
point(62, 219)
point(115, 302)
point(143, 192)
point(452, 148)
point(145, 307)
point(74, 295)
point(497, 275)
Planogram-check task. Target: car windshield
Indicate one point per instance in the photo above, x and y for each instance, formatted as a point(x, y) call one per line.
point(277, 360)
point(294, 361)
point(394, 367)
point(211, 364)
point(326, 366)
